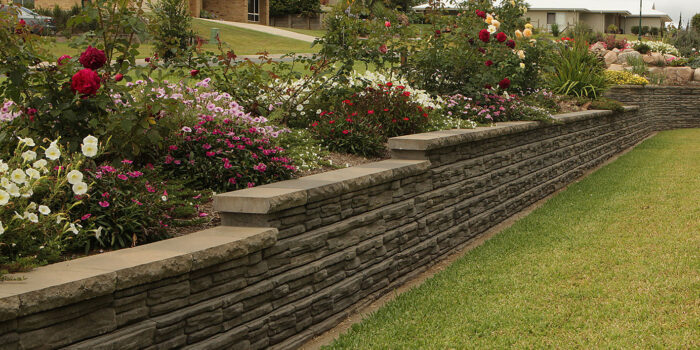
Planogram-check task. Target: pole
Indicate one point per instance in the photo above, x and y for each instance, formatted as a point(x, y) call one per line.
point(639, 33)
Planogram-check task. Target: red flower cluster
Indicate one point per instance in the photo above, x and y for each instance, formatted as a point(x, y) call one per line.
point(85, 82)
point(480, 13)
point(488, 63)
point(93, 58)
point(501, 37)
point(510, 43)
point(484, 35)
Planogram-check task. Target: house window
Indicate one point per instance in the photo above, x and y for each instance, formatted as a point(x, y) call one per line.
point(253, 11)
point(551, 18)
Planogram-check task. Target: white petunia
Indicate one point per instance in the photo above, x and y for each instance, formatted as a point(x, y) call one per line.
point(13, 190)
point(90, 140)
point(74, 176)
point(18, 176)
point(27, 141)
point(98, 232)
point(53, 152)
point(80, 188)
point(28, 156)
point(89, 149)
point(2, 229)
point(44, 210)
point(32, 206)
point(33, 173)
point(59, 218)
point(3, 167)
point(73, 229)
point(40, 164)
point(164, 198)
point(31, 217)
point(4, 197)
point(27, 192)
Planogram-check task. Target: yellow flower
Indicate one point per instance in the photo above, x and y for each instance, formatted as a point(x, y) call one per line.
point(524, 8)
point(488, 19)
point(512, 3)
point(522, 65)
point(518, 34)
point(496, 24)
point(521, 54)
point(527, 32)
point(528, 26)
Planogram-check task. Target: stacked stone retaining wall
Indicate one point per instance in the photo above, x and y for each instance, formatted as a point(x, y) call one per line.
point(295, 258)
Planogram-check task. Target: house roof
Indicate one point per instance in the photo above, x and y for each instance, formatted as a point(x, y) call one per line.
point(628, 8)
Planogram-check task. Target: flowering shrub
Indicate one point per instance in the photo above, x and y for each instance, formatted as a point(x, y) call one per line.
point(490, 108)
point(220, 154)
point(363, 122)
point(41, 187)
point(132, 205)
point(624, 78)
point(657, 46)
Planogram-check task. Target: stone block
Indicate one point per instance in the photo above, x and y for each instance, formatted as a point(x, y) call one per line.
point(90, 325)
point(137, 336)
point(678, 75)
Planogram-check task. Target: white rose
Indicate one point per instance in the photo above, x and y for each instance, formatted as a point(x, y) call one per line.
point(74, 176)
point(18, 176)
point(80, 188)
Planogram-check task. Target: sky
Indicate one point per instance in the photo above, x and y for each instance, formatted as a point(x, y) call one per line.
point(675, 7)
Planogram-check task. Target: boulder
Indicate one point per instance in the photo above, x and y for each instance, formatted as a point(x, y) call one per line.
point(668, 57)
point(599, 48)
point(615, 50)
point(648, 59)
point(610, 58)
point(656, 70)
point(678, 75)
point(696, 76)
point(658, 59)
point(616, 67)
point(622, 57)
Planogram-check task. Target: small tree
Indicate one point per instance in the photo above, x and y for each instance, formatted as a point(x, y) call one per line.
point(171, 27)
point(555, 30)
point(695, 22)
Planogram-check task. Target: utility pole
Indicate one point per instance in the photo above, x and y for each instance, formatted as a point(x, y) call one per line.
point(639, 30)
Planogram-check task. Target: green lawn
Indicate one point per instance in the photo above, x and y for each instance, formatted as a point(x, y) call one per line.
point(242, 41)
point(313, 32)
point(611, 262)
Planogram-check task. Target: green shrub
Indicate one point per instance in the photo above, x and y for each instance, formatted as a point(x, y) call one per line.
point(642, 48)
point(171, 29)
point(607, 104)
point(577, 71)
point(695, 22)
point(638, 65)
point(655, 31)
point(635, 30)
point(294, 7)
point(612, 29)
point(624, 78)
point(645, 30)
point(687, 40)
point(694, 63)
point(555, 30)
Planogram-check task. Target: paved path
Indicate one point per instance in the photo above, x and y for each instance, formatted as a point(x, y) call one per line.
point(266, 29)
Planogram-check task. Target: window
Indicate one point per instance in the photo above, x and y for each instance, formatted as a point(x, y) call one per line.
point(253, 11)
point(551, 18)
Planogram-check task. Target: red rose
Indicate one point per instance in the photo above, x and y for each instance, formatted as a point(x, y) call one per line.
point(480, 13)
point(510, 43)
point(194, 72)
point(119, 77)
point(438, 32)
point(383, 49)
point(387, 24)
point(484, 35)
point(487, 86)
point(31, 111)
point(482, 50)
point(488, 63)
point(86, 82)
point(64, 57)
point(504, 84)
point(93, 58)
point(501, 37)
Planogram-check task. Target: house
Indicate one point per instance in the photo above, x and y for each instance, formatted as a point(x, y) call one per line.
point(596, 14)
point(251, 11)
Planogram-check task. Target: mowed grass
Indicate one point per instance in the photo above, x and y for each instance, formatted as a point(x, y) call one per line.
point(611, 262)
point(242, 41)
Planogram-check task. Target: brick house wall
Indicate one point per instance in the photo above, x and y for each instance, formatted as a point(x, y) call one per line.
point(236, 10)
point(64, 4)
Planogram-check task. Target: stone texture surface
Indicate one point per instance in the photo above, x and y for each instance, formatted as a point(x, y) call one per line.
point(696, 75)
point(677, 75)
point(624, 56)
point(610, 58)
point(357, 234)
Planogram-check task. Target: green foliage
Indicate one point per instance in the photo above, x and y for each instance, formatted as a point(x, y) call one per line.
point(624, 78)
point(695, 22)
point(577, 71)
point(687, 40)
point(655, 31)
point(612, 29)
point(294, 7)
point(642, 48)
point(638, 65)
point(171, 29)
point(607, 104)
point(635, 30)
point(694, 62)
point(555, 30)
point(61, 18)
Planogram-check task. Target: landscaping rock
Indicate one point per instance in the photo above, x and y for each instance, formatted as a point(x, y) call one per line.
point(648, 59)
point(616, 50)
point(678, 75)
point(696, 76)
point(656, 70)
point(616, 67)
point(610, 58)
point(668, 57)
point(599, 49)
point(658, 59)
point(622, 58)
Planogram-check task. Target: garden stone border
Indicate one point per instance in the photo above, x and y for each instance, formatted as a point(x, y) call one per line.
point(306, 253)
